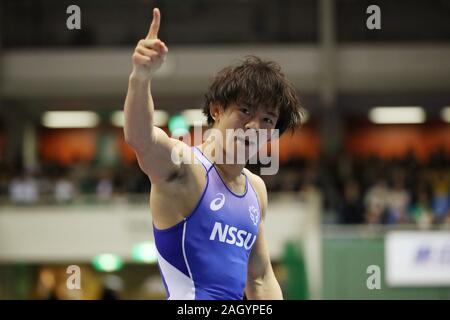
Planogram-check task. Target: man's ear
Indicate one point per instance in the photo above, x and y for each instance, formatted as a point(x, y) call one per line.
point(215, 111)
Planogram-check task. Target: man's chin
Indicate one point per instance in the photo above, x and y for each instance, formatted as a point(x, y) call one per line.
point(246, 144)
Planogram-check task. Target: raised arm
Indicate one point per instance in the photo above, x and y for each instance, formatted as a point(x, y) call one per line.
point(151, 144)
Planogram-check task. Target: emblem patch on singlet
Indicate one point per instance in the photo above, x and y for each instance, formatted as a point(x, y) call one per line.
point(254, 214)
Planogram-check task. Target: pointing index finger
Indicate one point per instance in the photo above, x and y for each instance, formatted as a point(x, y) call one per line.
point(154, 27)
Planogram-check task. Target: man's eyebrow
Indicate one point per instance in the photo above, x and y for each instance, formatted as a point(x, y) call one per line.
point(272, 113)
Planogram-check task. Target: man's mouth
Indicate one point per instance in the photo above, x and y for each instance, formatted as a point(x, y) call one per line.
point(246, 141)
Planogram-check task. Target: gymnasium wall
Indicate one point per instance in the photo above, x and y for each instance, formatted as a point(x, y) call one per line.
point(345, 261)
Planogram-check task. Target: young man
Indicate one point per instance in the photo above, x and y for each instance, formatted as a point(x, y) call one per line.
point(208, 216)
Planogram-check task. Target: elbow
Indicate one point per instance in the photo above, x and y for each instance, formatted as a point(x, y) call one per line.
point(131, 143)
point(134, 141)
point(139, 141)
point(128, 137)
point(264, 289)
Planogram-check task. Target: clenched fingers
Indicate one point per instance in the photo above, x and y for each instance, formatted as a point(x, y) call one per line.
point(154, 44)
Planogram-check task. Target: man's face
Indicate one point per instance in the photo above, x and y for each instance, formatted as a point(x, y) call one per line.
point(244, 129)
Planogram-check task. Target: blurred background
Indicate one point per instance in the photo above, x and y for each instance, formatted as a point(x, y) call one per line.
point(363, 185)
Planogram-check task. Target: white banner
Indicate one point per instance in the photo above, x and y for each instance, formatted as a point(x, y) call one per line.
point(415, 258)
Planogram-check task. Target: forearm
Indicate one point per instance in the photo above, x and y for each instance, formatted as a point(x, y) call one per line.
point(138, 111)
point(266, 288)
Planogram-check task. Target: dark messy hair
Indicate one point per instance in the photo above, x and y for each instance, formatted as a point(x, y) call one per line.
point(255, 82)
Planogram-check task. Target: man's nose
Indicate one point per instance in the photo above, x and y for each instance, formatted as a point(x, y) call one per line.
point(253, 124)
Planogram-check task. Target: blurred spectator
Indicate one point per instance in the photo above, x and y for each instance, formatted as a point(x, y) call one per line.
point(104, 189)
point(153, 288)
point(112, 287)
point(398, 201)
point(24, 190)
point(446, 219)
point(421, 212)
point(376, 201)
point(46, 283)
point(64, 191)
point(440, 202)
point(352, 209)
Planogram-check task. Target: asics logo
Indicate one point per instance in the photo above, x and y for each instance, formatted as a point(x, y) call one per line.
point(218, 202)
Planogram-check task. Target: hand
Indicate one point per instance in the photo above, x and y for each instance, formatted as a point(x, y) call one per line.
point(150, 52)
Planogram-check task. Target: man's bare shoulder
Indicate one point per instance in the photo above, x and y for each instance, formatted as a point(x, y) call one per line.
point(260, 188)
point(256, 180)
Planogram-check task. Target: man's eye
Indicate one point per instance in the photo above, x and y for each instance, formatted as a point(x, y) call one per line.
point(245, 110)
point(268, 120)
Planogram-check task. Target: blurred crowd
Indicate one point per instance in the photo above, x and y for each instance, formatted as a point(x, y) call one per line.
point(52, 183)
point(373, 190)
point(354, 191)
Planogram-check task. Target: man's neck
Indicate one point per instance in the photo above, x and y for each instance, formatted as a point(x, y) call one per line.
point(229, 171)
